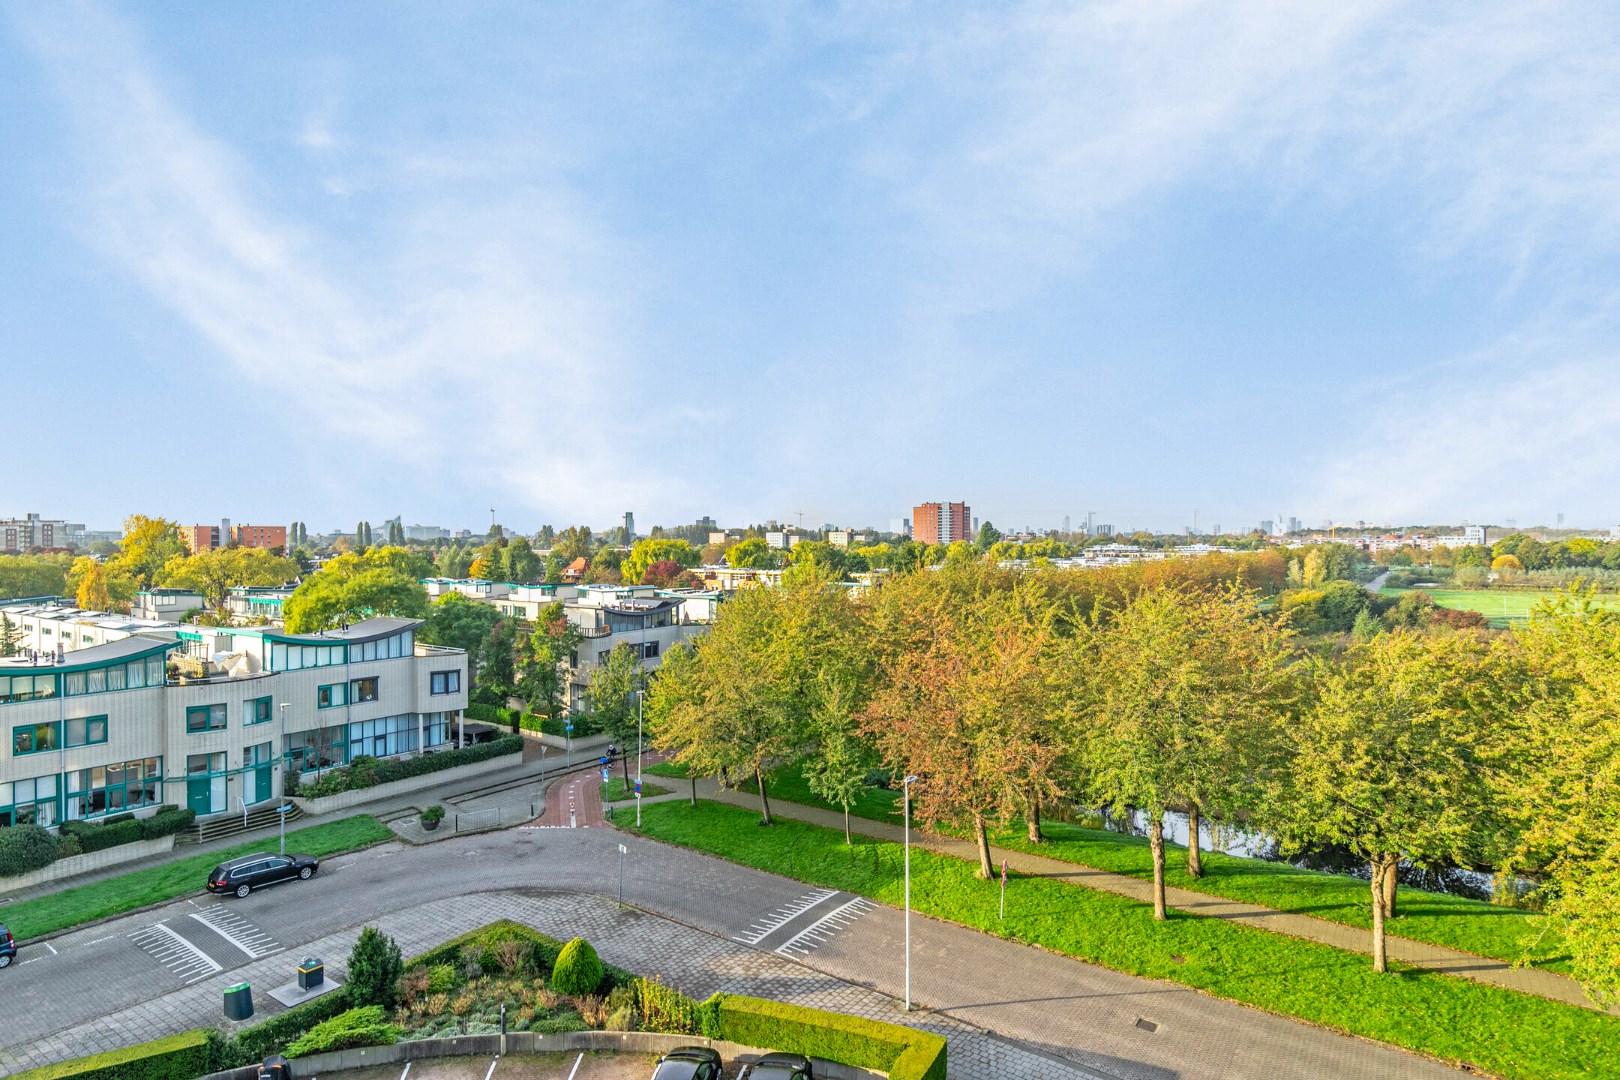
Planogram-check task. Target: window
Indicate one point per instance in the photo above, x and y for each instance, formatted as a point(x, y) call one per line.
point(108, 789)
point(34, 738)
point(205, 718)
point(363, 690)
point(383, 738)
point(322, 748)
point(330, 697)
point(256, 756)
point(444, 682)
point(204, 764)
point(29, 802)
point(27, 687)
point(131, 676)
point(257, 711)
point(649, 651)
point(87, 731)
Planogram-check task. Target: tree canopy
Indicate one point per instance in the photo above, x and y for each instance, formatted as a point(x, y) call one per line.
point(354, 586)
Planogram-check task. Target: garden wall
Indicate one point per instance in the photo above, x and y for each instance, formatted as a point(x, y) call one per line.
point(83, 864)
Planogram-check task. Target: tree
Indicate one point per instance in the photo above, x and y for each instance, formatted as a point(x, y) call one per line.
point(751, 554)
point(1508, 563)
point(375, 966)
point(458, 622)
point(33, 575)
point(573, 543)
point(384, 581)
point(10, 636)
point(612, 698)
point(1387, 761)
point(665, 574)
point(541, 678)
point(522, 564)
point(92, 593)
point(116, 589)
point(498, 675)
point(646, 552)
point(988, 537)
point(214, 572)
point(837, 767)
point(147, 547)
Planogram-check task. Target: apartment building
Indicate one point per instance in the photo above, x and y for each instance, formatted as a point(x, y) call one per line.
point(650, 620)
point(166, 605)
point(52, 625)
point(259, 536)
point(941, 523)
point(33, 531)
point(471, 588)
point(113, 728)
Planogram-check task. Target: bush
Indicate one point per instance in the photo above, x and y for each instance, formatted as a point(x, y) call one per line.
point(24, 848)
point(258, 1042)
point(433, 813)
point(660, 1008)
point(579, 969)
point(367, 772)
point(903, 1053)
point(489, 943)
point(374, 970)
point(175, 1057)
point(367, 1026)
point(441, 979)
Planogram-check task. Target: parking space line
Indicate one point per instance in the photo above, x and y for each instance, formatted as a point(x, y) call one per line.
point(764, 928)
point(185, 960)
point(238, 931)
point(822, 930)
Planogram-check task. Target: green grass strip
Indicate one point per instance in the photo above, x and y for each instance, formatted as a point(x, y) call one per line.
point(180, 877)
point(1499, 1031)
point(616, 790)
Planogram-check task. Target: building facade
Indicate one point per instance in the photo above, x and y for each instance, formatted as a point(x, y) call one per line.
point(259, 536)
point(941, 523)
point(114, 728)
point(33, 531)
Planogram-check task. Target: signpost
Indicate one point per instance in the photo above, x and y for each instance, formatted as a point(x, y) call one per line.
point(281, 812)
point(1003, 888)
point(623, 851)
point(568, 744)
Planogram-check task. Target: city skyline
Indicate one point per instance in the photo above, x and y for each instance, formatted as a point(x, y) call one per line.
point(705, 262)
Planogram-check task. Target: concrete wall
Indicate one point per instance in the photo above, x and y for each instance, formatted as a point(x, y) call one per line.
point(345, 800)
point(83, 864)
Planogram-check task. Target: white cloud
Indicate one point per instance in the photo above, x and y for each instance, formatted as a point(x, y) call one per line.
point(460, 340)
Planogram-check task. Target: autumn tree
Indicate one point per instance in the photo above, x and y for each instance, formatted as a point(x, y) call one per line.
point(92, 593)
point(214, 572)
point(146, 548)
point(647, 552)
point(752, 554)
point(612, 698)
point(353, 586)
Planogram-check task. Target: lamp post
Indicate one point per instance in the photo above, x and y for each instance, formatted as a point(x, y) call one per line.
point(639, 750)
point(906, 783)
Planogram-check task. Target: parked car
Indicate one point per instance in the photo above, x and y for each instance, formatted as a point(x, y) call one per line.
point(688, 1063)
point(8, 947)
point(241, 876)
point(780, 1067)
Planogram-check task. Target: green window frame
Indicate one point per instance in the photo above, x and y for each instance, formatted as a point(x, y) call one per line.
point(200, 718)
point(86, 731)
point(36, 738)
point(331, 696)
point(257, 711)
point(363, 689)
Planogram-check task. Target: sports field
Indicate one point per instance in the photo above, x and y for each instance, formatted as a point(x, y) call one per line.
point(1503, 607)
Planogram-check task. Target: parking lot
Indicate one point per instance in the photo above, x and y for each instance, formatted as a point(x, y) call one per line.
point(570, 1066)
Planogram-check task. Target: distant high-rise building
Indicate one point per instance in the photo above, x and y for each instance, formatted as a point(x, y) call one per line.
point(1105, 530)
point(900, 526)
point(1065, 522)
point(1266, 526)
point(20, 534)
point(1560, 521)
point(941, 523)
point(706, 523)
point(629, 527)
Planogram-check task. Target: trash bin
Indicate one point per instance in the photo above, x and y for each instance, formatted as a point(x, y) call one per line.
point(275, 1067)
point(238, 1002)
point(311, 973)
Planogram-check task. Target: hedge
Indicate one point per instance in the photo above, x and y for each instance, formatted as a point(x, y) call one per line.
point(175, 1057)
point(254, 1044)
point(488, 939)
point(365, 1026)
point(904, 1053)
point(548, 725)
point(24, 848)
point(167, 821)
point(365, 772)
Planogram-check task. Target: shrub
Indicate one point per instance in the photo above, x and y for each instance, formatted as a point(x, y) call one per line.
point(578, 970)
point(369, 772)
point(374, 970)
point(903, 1053)
point(433, 813)
point(662, 1008)
point(24, 848)
point(175, 1057)
point(258, 1042)
point(68, 846)
point(367, 1026)
point(441, 979)
point(485, 943)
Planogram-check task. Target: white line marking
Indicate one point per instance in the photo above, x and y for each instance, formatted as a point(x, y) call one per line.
point(238, 931)
point(407, 1071)
point(174, 952)
point(99, 940)
point(783, 915)
point(572, 1071)
point(823, 928)
point(51, 947)
point(491, 1069)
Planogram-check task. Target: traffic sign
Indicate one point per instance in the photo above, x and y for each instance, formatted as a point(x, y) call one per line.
point(638, 788)
point(604, 776)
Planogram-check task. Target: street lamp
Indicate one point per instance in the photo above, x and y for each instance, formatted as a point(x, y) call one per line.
point(906, 783)
point(639, 751)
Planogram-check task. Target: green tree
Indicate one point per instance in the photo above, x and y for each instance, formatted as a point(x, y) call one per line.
point(837, 767)
point(612, 698)
point(10, 636)
point(375, 966)
point(988, 537)
point(498, 674)
point(522, 564)
point(751, 554)
point(147, 547)
point(214, 572)
point(573, 543)
point(458, 622)
point(33, 575)
point(646, 552)
point(542, 678)
point(353, 586)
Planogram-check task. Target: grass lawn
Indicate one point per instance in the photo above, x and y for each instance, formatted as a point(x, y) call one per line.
point(1501, 1031)
point(181, 877)
point(1501, 607)
point(616, 790)
point(1453, 921)
point(876, 804)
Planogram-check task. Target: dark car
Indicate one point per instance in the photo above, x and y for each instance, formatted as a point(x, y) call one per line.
point(8, 947)
point(688, 1063)
point(242, 876)
point(781, 1067)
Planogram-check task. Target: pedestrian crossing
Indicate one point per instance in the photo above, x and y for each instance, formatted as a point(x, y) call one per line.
point(186, 961)
point(783, 915)
point(238, 931)
point(813, 936)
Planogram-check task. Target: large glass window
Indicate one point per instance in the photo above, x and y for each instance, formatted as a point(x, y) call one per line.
point(330, 697)
point(321, 748)
point(27, 687)
point(363, 690)
point(124, 785)
point(204, 764)
point(205, 718)
point(35, 738)
point(255, 756)
point(289, 657)
point(130, 676)
point(29, 802)
point(87, 731)
point(444, 682)
point(257, 711)
point(382, 738)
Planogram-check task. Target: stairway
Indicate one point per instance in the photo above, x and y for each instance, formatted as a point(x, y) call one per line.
point(226, 825)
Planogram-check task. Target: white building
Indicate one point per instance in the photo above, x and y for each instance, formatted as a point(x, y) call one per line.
point(166, 605)
point(1471, 536)
point(472, 588)
point(649, 620)
point(55, 625)
point(113, 728)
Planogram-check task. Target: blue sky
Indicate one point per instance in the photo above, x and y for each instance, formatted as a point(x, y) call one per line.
point(327, 262)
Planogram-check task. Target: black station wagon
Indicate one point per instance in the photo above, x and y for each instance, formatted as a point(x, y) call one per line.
point(242, 876)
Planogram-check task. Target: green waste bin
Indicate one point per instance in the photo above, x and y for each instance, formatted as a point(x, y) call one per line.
point(238, 1002)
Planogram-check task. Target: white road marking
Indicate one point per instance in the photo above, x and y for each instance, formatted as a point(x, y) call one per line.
point(407, 1071)
point(238, 931)
point(51, 947)
point(575, 1069)
point(491, 1069)
point(99, 940)
point(783, 915)
point(823, 928)
point(174, 952)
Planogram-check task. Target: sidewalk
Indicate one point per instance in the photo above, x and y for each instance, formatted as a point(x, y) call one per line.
point(1546, 984)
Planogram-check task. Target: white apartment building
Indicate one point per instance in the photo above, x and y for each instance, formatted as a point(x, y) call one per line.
point(525, 602)
point(55, 625)
point(648, 619)
point(166, 605)
point(471, 588)
point(112, 728)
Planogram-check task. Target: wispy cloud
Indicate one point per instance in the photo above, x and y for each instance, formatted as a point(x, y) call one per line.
point(460, 337)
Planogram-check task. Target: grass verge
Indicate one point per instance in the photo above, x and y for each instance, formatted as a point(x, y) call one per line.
point(616, 790)
point(181, 877)
point(1499, 1031)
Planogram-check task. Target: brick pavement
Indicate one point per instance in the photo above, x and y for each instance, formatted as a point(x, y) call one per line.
point(1547, 984)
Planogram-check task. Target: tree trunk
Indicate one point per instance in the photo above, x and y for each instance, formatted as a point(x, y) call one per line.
point(764, 800)
point(1390, 874)
point(982, 836)
point(1156, 845)
point(624, 759)
point(1032, 818)
point(847, 839)
point(1378, 912)
point(1195, 865)
point(694, 789)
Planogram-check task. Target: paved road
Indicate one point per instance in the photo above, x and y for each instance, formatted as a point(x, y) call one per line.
point(127, 980)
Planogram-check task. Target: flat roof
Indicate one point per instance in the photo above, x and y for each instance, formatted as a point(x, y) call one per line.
point(96, 656)
point(365, 630)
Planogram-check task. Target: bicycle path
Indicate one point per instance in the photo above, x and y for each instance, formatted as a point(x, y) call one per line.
point(1546, 984)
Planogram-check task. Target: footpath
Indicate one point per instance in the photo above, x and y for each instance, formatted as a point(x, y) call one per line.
point(1547, 984)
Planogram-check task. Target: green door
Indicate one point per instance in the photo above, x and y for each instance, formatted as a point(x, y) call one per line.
point(198, 797)
point(261, 783)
